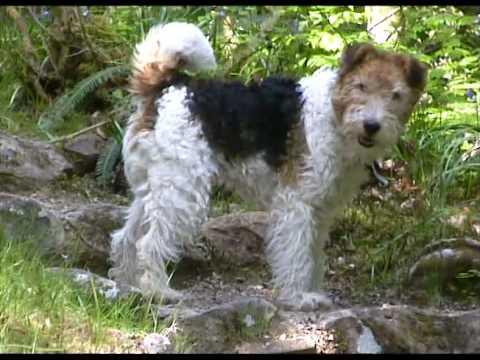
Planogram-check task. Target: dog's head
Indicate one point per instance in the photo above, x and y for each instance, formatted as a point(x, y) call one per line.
point(375, 94)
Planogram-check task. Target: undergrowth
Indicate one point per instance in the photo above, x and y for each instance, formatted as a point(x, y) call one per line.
point(435, 175)
point(43, 311)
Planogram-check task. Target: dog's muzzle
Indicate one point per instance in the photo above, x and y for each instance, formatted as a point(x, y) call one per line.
point(366, 141)
point(371, 127)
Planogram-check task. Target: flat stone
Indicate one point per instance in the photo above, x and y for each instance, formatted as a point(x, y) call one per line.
point(404, 329)
point(225, 323)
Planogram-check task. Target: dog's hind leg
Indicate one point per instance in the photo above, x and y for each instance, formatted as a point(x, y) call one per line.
point(175, 208)
point(123, 251)
point(180, 172)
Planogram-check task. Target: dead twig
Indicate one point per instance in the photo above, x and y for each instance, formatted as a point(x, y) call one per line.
point(80, 132)
point(384, 19)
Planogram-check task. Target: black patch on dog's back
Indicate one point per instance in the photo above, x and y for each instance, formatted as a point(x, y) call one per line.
point(241, 120)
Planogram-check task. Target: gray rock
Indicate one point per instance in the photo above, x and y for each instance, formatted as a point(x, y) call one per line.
point(29, 164)
point(83, 151)
point(236, 323)
point(305, 345)
point(80, 235)
point(154, 343)
point(237, 238)
point(253, 325)
point(442, 261)
point(220, 328)
point(366, 343)
point(88, 233)
point(348, 329)
point(403, 329)
point(23, 218)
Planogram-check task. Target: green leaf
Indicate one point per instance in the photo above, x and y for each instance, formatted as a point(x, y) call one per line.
point(53, 116)
point(107, 162)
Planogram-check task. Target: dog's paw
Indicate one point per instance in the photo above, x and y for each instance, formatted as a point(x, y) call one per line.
point(172, 296)
point(305, 301)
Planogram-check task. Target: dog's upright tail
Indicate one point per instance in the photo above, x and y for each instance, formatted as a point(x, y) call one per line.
point(165, 50)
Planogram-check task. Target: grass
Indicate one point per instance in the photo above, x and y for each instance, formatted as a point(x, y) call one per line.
point(42, 311)
point(384, 230)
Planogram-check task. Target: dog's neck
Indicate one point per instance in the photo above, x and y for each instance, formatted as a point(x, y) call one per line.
point(325, 142)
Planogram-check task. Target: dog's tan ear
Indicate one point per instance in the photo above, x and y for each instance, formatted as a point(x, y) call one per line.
point(355, 54)
point(415, 73)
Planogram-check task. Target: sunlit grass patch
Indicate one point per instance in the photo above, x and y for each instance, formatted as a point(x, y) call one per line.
point(42, 311)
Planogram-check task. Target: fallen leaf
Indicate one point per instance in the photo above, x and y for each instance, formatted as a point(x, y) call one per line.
point(376, 194)
point(408, 204)
point(457, 221)
point(476, 229)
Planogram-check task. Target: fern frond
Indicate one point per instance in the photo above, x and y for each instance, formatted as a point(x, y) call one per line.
point(106, 163)
point(118, 132)
point(53, 117)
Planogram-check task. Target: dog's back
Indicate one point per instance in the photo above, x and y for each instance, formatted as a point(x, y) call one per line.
point(243, 120)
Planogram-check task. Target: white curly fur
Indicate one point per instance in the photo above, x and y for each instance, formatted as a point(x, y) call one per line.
point(171, 171)
point(164, 42)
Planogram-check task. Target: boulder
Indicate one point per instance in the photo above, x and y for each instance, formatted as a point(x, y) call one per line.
point(29, 164)
point(237, 238)
point(81, 233)
point(23, 218)
point(226, 325)
point(88, 231)
point(253, 324)
point(84, 151)
point(404, 329)
point(444, 265)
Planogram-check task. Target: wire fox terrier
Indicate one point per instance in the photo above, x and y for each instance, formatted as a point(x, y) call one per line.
point(298, 148)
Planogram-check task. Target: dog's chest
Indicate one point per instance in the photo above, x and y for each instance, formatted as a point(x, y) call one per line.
point(344, 190)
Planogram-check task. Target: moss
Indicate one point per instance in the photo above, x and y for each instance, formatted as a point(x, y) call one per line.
point(260, 323)
point(25, 221)
point(341, 341)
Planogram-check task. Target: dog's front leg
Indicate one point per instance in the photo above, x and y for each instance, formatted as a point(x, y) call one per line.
point(291, 238)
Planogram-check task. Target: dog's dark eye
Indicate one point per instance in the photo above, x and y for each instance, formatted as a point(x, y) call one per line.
point(396, 95)
point(360, 86)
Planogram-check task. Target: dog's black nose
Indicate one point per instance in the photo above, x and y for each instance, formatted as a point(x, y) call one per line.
point(371, 126)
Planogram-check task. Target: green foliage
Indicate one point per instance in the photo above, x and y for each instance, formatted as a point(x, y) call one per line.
point(54, 115)
point(109, 158)
point(42, 311)
point(472, 273)
point(448, 41)
point(254, 42)
point(444, 168)
point(250, 43)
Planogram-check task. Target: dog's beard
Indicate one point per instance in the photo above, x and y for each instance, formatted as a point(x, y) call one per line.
point(360, 147)
point(390, 130)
